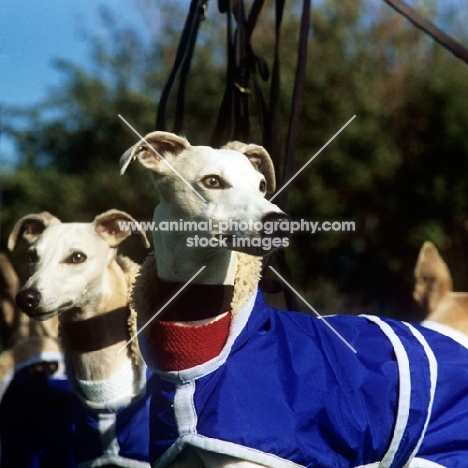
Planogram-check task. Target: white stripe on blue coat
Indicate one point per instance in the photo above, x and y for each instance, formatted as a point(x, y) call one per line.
point(286, 393)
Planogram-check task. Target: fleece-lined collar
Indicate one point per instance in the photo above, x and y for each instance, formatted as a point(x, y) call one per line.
point(181, 347)
point(233, 341)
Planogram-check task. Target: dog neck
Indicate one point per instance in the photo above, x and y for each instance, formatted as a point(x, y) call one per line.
point(452, 311)
point(193, 325)
point(180, 347)
point(146, 291)
point(91, 336)
point(193, 303)
point(146, 302)
point(178, 261)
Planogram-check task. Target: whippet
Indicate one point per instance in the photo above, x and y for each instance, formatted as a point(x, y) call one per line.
point(199, 184)
point(446, 310)
point(243, 384)
point(77, 274)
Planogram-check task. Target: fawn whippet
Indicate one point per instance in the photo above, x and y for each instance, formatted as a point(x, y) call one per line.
point(446, 310)
point(77, 273)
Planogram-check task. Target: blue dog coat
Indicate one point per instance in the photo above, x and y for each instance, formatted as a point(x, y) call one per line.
point(286, 392)
point(36, 415)
point(114, 433)
point(45, 424)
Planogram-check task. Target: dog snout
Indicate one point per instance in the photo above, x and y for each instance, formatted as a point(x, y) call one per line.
point(274, 224)
point(28, 299)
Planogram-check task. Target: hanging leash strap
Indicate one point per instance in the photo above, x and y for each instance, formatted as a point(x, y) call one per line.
point(298, 96)
point(244, 66)
point(272, 129)
point(226, 106)
point(235, 102)
point(274, 125)
point(233, 122)
point(242, 76)
point(182, 63)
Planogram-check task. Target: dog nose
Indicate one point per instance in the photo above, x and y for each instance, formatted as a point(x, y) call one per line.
point(274, 224)
point(28, 299)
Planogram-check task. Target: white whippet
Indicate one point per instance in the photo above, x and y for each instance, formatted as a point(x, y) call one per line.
point(226, 187)
point(246, 384)
point(224, 191)
point(77, 273)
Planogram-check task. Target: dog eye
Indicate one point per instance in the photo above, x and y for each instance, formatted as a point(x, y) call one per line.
point(76, 257)
point(32, 256)
point(262, 186)
point(213, 182)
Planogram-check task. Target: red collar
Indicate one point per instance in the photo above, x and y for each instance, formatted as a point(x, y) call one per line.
point(182, 347)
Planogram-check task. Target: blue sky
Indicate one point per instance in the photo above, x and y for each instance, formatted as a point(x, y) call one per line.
point(33, 33)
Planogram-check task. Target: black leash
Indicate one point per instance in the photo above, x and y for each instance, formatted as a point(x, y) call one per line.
point(298, 96)
point(272, 129)
point(182, 63)
point(234, 116)
point(233, 122)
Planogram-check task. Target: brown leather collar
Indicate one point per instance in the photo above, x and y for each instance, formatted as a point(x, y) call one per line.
point(90, 335)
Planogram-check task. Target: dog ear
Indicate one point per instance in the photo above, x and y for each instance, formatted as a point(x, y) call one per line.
point(115, 226)
point(259, 158)
point(9, 287)
point(9, 281)
point(151, 149)
point(433, 279)
point(30, 227)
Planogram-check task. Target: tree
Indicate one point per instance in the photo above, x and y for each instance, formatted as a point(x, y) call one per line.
point(398, 170)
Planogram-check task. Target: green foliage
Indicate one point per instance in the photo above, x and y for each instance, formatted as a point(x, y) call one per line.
point(398, 171)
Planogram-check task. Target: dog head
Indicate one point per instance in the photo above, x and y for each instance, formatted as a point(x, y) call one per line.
point(225, 186)
point(68, 261)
